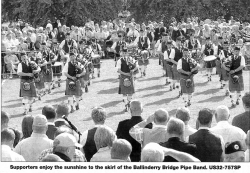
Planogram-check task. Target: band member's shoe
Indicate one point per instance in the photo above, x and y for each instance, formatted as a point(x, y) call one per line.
point(72, 109)
point(77, 107)
point(174, 87)
point(179, 94)
point(167, 83)
point(227, 93)
point(177, 87)
point(59, 84)
point(53, 86)
point(237, 102)
point(25, 112)
point(39, 98)
point(233, 105)
point(98, 75)
point(89, 83)
point(189, 103)
point(30, 109)
point(86, 89)
point(221, 87)
point(171, 88)
point(144, 73)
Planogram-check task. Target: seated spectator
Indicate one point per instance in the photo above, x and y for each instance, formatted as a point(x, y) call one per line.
point(121, 150)
point(104, 138)
point(64, 146)
point(124, 126)
point(234, 152)
point(27, 123)
point(157, 134)
point(248, 146)
point(153, 152)
point(184, 115)
point(228, 132)
point(175, 132)
point(52, 158)
point(210, 146)
point(7, 141)
point(62, 109)
point(50, 113)
point(243, 120)
point(30, 148)
point(5, 118)
point(98, 115)
point(78, 156)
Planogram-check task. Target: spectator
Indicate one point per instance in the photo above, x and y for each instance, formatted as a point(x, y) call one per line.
point(50, 113)
point(64, 146)
point(184, 115)
point(78, 156)
point(11, 62)
point(7, 141)
point(104, 138)
point(243, 120)
point(124, 126)
point(121, 150)
point(63, 109)
point(209, 145)
point(18, 135)
point(52, 158)
point(234, 152)
point(228, 132)
point(27, 123)
point(30, 148)
point(248, 146)
point(153, 152)
point(5, 118)
point(60, 35)
point(49, 25)
point(157, 134)
point(175, 132)
point(98, 115)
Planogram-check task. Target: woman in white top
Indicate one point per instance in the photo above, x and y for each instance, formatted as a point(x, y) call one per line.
point(206, 31)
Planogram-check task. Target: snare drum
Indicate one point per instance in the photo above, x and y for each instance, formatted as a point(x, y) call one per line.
point(57, 69)
point(210, 61)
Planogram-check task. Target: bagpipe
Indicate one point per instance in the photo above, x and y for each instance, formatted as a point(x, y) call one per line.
point(193, 64)
point(48, 58)
point(34, 67)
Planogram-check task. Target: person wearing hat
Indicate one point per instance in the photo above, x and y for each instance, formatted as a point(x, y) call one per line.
point(143, 44)
point(187, 67)
point(28, 89)
point(127, 66)
point(246, 54)
point(236, 83)
point(31, 147)
point(234, 152)
point(207, 50)
point(73, 70)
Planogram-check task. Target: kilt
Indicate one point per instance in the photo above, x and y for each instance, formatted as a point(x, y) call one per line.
point(224, 75)
point(218, 67)
point(184, 88)
point(168, 68)
point(210, 64)
point(40, 84)
point(239, 86)
point(30, 92)
point(76, 92)
point(126, 89)
point(176, 74)
point(48, 77)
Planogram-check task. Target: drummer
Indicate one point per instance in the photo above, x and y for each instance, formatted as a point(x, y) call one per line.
point(28, 89)
point(209, 49)
point(236, 83)
point(73, 71)
point(57, 67)
point(96, 54)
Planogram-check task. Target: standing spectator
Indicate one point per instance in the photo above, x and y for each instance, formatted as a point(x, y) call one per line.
point(11, 62)
point(7, 141)
point(64, 146)
point(157, 134)
point(175, 131)
point(30, 148)
point(184, 115)
point(209, 145)
point(234, 152)
point(98, 115)
point(5, 118)
point(60, 35)
point(27, 123)
point(104, 138)
point(120, 151)
point(124, 126)
point(49, 25)
point(62, 109)
point(228, 132)
point(248, 146)
point(52, 158)
point(50, 113)
point(243, 120)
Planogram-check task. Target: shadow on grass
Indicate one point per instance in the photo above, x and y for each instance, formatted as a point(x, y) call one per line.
point(158, 93)
point(213, 99)
point(56, 92)
point(210, 91)
point(60, 99)
point(18, 115)
point(111, 114)
point(155, 87)
point(110, 104)
point(149, 79)
point(201, 84)
point(14, 100)
point(112, 80)
point(13, 105)
point(161, 102)
point(109, 91)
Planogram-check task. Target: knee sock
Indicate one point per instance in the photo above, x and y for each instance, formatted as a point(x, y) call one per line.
point(238, 95)
point(189, 97)
point(125, 100)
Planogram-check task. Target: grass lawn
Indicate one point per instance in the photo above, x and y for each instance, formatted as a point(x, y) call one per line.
point(150, 90)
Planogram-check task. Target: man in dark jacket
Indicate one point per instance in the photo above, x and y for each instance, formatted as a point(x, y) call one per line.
point(50, 113)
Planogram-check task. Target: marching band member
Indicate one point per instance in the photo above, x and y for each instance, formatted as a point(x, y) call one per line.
point(57, 67)
point(143, 44)
point(127, 67)
point(236, 83)
point(187, 68)
point(67, 45)
point(96, 54)
point(28, 89)
point(132, 33)
point(73, 71)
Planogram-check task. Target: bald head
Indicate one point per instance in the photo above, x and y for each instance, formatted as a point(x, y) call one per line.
point(136, 108)
point(222, 113)
point(161, 116)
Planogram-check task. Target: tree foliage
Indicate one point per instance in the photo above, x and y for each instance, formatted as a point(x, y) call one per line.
point(76, 12)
